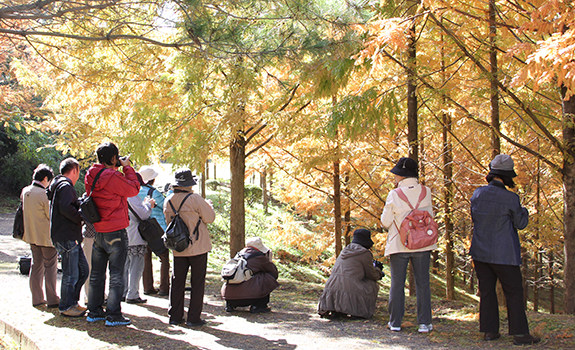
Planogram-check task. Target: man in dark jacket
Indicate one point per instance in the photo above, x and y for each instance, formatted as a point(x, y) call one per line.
point(111, 191)
point(66, 234)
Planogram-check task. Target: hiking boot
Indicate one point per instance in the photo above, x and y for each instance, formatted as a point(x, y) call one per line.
point(491, 336)
point(425, 328)
point(392, 328)
point(120, 321)
point(74, 311)
point(525, 339)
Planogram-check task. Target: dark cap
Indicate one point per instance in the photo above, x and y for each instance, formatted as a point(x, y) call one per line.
point(406, 167)
point(184, 178)
point(362, 237)
point(502, 164)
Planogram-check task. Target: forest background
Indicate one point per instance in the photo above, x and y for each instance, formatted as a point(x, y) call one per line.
point(318, 97)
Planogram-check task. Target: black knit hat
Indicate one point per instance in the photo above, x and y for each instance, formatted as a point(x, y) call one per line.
point(406, 167)
point(362, 237)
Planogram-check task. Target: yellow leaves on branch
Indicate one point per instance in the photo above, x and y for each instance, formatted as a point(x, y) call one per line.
point(552, 61)
point(391, 34)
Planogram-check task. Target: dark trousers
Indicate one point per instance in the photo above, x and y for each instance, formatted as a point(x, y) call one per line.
point(198, 265)
point(512, 283)
point(44, 274)
point(110, 250)
point(148, 275)
point(259, 303)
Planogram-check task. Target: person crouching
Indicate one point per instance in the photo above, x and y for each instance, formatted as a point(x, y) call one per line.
point(256, 291)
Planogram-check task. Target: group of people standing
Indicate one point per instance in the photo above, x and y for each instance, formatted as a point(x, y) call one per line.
point(497, 214)
point(53, 224)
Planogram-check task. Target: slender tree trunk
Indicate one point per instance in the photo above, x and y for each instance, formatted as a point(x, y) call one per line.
point(552, 283)
point(447, 191)
point(347, 213)
point(412, 127)
point(539, 255)
point(215, 175)
point(495, 140)
point(237, 209)
point(264, 186)
point(337, 207)
point(203, 180)
point(569, 201)
point(207, 169)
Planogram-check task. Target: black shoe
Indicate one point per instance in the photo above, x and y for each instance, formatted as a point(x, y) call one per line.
point(175, 323)
point(123, 299)
point(52, 306)
point(258, 310)
point(136, 301)
point(525, 339)
point(230, 308)
point(151, 292)
point(491, 336)
point(196, 324)
point(163, 293)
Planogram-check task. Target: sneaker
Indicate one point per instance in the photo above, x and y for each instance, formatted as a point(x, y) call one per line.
point(392, 328)
point(81, 308)
point(95, 318)
point(525, 339)
point(74, 311)
point(120, 321)
point(425, 328)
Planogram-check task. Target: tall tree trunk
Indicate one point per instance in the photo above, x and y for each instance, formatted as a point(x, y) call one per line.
point(495, 140)
point(448, 209)
point(552, 283)
point(264, 186)
point(412, 127)
point(237, 209)
point(569, 201)
point(447, 190)
point(203, 180)
point(347, 213)
point(215, 175)
point(207, 169)
point(539, 255)
point(337, 207)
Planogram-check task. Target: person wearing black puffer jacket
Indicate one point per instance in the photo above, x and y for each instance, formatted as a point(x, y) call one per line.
point(66, 234)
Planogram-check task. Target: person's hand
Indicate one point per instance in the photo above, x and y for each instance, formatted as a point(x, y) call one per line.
point(125, 161)
point(378, 264)
point(151, 201)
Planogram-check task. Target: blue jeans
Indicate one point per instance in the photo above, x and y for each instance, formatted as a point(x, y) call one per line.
point(75, 271)
point(398, 266)
point(109, 250)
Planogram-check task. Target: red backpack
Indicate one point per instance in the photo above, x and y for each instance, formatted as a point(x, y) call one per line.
point(418, 229)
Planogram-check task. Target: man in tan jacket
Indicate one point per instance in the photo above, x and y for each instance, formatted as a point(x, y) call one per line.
point(36, 210)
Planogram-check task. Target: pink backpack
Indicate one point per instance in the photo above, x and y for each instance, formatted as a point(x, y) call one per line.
point(418, 229)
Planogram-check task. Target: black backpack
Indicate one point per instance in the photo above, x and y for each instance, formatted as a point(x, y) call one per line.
point(18, 230)
point(177, 233)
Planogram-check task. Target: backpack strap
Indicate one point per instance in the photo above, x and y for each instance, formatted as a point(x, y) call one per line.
point(150, 191)
point(174, 209)
point(96, 179)
point(134, 212)
point(404, 198)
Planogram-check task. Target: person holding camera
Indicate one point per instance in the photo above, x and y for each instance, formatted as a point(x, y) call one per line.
point(352, 288)
point(112, 188)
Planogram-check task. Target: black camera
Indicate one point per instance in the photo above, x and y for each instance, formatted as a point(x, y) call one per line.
point(118, 164)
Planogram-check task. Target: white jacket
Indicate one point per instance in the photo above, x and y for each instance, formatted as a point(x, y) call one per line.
point(396, 210)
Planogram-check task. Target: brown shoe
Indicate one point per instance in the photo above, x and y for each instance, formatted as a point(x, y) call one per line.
point(74, 311)
point(525, 339)
point(491, 336)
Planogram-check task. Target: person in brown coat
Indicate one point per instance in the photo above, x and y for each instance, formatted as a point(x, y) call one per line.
point(352, 287)
point(37, 233)
point(256, 291)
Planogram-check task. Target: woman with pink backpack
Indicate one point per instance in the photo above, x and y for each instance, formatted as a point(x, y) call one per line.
point(412, 235)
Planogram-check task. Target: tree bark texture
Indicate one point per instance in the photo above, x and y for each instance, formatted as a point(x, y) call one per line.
point(569, 201)
point(448, 208)
point(494, 96)
point(237, 209)
point(337, 207)
point(264, 186)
